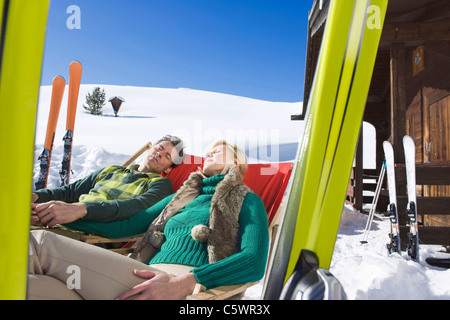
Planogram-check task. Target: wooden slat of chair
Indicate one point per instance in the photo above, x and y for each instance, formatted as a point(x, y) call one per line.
point(128, 244)
point(137, 154)
point(89, 238)
point(219, 293)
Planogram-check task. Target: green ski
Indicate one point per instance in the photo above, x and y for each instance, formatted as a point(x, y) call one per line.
point(311, 217)
point(22, 29)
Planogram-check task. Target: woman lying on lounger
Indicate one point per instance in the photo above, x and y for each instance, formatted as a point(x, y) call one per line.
point(213, 231)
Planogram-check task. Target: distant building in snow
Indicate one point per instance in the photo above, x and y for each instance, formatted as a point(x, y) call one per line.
point(116, 102)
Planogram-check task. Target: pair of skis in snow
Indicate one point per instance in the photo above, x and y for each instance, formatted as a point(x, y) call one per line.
point(58, 87)
point(412, 246)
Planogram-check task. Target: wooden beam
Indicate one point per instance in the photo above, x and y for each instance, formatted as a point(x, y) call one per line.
point(425, 13)
point(428, 235)
point(426, 174)
point(398, 99)
point(425, 205)
point(415, 31)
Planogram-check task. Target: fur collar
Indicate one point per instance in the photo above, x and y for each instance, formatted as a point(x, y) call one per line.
point(221, 235)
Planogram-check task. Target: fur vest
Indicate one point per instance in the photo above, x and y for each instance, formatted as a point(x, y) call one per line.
point(221, 235)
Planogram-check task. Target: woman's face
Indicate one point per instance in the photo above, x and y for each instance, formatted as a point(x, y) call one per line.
point(216, 160)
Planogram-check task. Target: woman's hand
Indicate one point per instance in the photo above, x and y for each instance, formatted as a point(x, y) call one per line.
point(160, 286)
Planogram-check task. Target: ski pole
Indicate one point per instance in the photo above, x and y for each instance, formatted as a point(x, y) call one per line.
point(374, 203)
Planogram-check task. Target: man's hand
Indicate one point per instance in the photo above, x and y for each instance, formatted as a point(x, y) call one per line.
point(56, 212)
point(161, 286)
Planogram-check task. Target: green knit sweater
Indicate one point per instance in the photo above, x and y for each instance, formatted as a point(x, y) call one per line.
point(248, 265)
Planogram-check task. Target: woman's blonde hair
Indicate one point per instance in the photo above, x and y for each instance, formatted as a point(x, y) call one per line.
point(240, 158)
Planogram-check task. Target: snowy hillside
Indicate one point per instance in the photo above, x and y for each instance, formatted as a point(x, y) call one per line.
point(200, 118)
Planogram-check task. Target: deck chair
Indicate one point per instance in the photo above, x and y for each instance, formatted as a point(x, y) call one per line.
point(269, 181)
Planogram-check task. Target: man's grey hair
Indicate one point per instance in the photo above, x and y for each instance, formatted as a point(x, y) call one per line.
point(179, 147)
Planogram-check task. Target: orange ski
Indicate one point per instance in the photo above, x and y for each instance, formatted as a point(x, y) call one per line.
point(58, 87)
point(74, 88)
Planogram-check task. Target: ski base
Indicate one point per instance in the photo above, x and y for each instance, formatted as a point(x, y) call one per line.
point(65, 166)
point(44, 159)
point(394, 245)
point(439, 262)
point(412, 247)
point(394, 235)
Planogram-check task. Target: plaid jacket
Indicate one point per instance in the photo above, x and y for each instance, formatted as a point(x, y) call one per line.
point(113, 193)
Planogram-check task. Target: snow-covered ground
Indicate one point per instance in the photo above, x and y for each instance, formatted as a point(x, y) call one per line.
point(367, 271)
point(200, 118)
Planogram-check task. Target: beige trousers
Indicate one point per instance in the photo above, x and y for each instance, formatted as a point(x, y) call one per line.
point(65, 269)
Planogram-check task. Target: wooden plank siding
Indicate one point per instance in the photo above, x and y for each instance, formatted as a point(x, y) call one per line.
point(430, 208)
point(439, 118)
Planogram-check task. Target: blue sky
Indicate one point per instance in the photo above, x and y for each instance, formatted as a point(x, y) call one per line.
point(251, 48)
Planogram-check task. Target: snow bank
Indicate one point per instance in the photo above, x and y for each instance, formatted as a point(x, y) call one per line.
point(368, 271)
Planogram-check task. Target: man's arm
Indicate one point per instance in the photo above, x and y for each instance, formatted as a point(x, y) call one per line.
point(68, 193)
point(107, 211)
point(54, 212)
point(59, 205)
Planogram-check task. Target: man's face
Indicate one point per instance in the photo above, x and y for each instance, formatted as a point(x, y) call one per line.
point(158, 158)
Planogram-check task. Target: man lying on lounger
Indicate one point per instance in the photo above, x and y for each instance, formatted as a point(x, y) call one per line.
point(112, 193)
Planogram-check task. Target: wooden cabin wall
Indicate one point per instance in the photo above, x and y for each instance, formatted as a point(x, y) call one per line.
point(428, 115)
